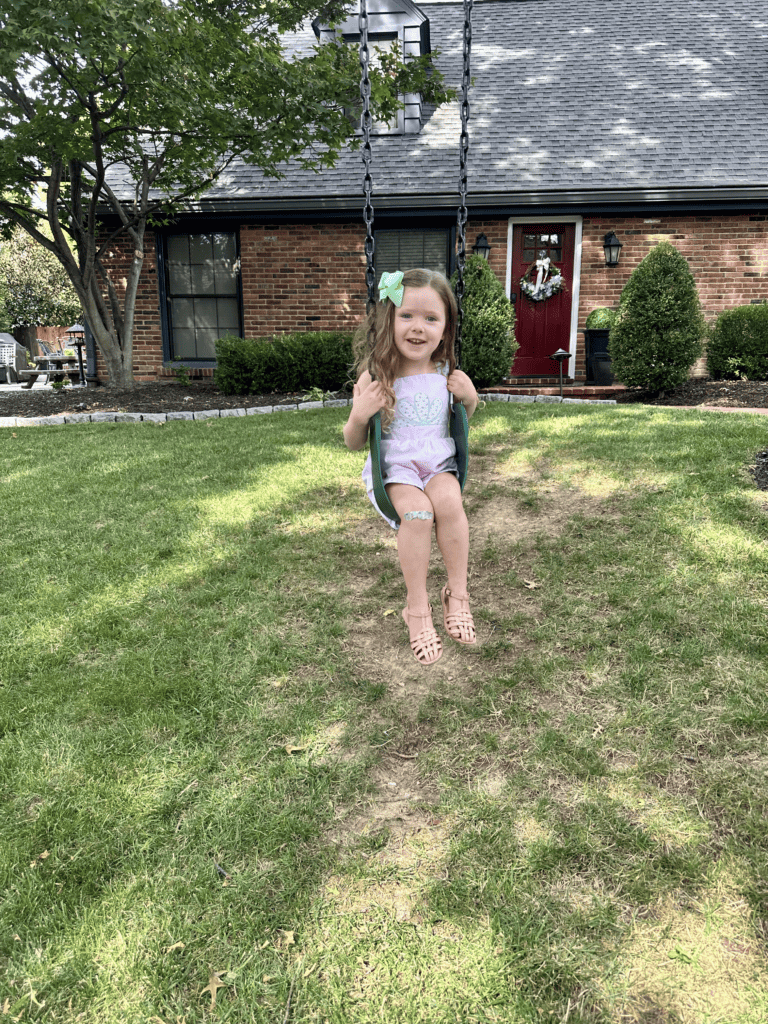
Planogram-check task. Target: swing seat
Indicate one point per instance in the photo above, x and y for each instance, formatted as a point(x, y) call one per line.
point(459, 430)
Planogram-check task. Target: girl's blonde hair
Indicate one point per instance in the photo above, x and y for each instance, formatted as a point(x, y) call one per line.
point(374, 341)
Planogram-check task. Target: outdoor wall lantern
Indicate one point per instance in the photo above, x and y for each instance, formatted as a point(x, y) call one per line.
point(611, 247)
point(76, 338)
point(481, 247)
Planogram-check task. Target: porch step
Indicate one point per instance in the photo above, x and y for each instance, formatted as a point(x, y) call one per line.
point(569, 390)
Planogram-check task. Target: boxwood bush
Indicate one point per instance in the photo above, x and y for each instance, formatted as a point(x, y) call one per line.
point(488, 343)
point(658, 332)
point(737, 346)
point(288, 362)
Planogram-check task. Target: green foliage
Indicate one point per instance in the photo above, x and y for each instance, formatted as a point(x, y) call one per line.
point(488, 344)
point(657, 335)
point(289, 362)
point(178, 91)
point(35, 288)
point(600, 319)
point(737, 346)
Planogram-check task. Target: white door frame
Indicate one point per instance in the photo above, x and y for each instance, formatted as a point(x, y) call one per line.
point(568, 219)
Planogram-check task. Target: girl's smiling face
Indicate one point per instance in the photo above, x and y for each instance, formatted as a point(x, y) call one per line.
point(419, 328)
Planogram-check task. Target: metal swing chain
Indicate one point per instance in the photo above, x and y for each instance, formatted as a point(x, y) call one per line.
point(365, 124)
point(463, 153)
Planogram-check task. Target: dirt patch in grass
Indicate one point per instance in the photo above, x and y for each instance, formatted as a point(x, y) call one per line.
point(503, 531)
point(501, 585)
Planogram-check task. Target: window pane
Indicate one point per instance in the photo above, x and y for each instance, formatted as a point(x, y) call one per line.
point(200, 248)
point(206, 343)
point(183, 313)
point(224, 248)
point(405, 250)
point(183, 344)
point(202, 279)
point(229, 320)
point(529, 255)
point(205, 313)
point(179, 278)
point(225, 274)
point(178, 248)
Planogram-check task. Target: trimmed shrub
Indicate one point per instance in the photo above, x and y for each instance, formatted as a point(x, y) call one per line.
point(657, 335)
point(600, 319)
point(289, 362)
point(488, 344)
point(737, 347)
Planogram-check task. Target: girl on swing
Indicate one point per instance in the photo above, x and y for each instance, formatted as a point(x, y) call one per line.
point(406, 376)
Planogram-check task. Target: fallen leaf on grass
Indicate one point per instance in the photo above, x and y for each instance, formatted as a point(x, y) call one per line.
point(531, 584)
point(285, 938)
point(39, 858)
point(389, 611)
point(214, 984)
point(176, 945)
point(291, 749)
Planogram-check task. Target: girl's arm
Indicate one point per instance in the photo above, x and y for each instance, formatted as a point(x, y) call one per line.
point(368, 398)
point(462, 388)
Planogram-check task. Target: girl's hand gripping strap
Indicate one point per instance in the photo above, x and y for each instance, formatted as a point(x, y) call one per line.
point(382, 498)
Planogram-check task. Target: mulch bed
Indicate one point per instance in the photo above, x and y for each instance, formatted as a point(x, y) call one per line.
point(170, 396)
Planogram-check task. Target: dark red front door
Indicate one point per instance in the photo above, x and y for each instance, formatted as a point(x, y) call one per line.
point(542, 328)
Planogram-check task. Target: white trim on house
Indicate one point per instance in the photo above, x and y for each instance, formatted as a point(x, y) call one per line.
point(568, 219)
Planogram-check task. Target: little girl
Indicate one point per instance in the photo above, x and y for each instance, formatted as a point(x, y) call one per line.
point(406, 375)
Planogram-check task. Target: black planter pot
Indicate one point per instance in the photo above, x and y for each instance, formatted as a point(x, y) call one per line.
point(598, 360)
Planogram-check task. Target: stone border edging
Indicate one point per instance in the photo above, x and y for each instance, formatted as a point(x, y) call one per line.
point(257, 410)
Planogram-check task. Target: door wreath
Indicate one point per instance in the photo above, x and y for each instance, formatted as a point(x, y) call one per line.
point(549, 280)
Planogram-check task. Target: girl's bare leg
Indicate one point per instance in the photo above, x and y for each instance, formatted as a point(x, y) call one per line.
point(414, 543)
point(452, 530)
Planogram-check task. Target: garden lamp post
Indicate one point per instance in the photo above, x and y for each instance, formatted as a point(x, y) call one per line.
point(76, 338)
point(560, 355)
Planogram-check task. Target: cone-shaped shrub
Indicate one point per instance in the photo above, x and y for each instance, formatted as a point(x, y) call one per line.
point(657, 336)
point(487, 339)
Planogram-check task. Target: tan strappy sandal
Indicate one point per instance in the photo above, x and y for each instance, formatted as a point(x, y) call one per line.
point(460, 626)
point(426, 645)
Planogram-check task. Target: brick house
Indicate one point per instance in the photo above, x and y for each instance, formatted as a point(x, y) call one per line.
point(587, 118)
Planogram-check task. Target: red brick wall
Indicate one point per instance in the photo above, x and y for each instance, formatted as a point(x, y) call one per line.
point(312, 277)
point(302, 277)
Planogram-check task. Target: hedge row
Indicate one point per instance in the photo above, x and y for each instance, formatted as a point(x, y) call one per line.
point(289, 362)
point(737, 346)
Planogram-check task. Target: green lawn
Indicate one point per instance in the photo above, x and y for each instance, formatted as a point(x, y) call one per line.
point(222, 772)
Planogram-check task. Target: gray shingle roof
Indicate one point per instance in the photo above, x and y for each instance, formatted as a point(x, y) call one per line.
point(586, 96)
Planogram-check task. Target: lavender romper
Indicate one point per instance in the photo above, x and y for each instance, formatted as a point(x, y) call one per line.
point(418, 444)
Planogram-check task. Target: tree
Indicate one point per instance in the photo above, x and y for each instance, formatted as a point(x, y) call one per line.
point(488, 343)
point(134, 107)
point(657, 335)
point(34, 288)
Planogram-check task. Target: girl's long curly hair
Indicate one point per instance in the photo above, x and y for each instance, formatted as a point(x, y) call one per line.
point(374, 341)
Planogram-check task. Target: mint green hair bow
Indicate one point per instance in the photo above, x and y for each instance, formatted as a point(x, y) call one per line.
point(391, 287)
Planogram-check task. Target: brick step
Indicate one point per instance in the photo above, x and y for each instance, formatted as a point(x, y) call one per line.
point(569, 390)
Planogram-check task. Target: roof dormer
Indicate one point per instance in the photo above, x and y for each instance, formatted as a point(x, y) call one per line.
point(388, 21)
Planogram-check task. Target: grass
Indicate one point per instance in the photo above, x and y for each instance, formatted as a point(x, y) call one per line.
point(220, 774)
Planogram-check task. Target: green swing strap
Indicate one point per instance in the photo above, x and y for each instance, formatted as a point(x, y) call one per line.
point(382, 498)
point(459, 428)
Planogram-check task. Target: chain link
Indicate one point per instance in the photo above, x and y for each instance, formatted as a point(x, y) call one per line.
point(463, 153)
point(366, 124)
